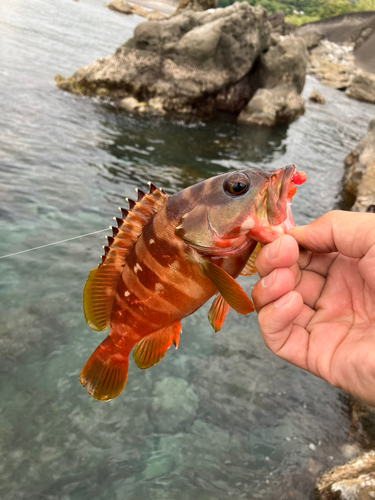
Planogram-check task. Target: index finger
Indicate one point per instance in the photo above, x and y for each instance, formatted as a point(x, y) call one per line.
point(282, 252)
point(350, 233)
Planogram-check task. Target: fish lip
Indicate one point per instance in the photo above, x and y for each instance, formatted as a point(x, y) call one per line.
point(278, 209)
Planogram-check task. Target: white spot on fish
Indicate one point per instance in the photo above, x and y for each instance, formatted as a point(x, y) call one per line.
point(175, 266)
point(159, 288)
point(137, 268)
point(151, 241)
point(126, 293)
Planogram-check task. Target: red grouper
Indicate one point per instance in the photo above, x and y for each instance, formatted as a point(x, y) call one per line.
point(169, 255)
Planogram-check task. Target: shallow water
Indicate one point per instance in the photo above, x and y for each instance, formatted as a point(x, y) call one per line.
point(221, 417)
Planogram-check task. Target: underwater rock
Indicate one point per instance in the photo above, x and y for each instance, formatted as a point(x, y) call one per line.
point(315, 96)
point(174, 405)
point(362, 87)
point(352, 481)
point(359, 179)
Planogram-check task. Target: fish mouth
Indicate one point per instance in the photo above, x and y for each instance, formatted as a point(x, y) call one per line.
point(273, 205)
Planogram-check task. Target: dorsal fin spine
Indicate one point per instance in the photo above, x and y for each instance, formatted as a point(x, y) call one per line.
point(102, 282)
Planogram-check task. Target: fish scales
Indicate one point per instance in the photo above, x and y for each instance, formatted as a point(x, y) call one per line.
point(169, 255)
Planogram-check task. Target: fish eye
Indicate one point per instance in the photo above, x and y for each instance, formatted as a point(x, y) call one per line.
point(236, 184)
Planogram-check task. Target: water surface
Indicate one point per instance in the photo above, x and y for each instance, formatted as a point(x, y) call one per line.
point(221, 417)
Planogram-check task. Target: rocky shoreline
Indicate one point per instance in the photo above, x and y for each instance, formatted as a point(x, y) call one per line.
point(198, 63)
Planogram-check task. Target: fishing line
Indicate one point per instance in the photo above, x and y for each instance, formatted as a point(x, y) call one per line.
point(54, 243)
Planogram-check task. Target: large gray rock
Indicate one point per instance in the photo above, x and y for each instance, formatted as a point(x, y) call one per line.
point(282, 73)
point(185, 61)
point(357, 163)
point(352, 481)
point(362, 87)
point(270, 107)
point(284, 63)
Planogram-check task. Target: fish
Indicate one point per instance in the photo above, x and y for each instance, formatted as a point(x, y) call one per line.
point(169, 255)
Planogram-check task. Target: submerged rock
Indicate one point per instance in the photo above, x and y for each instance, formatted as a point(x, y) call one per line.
point(175, 404)
point(315, 96)
point(359, 179)
point(352, 481)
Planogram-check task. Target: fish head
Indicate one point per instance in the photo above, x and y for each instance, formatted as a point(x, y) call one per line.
point(232, 210)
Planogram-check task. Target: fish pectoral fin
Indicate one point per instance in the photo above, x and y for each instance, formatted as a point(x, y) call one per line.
point(217, 313)
point(249, 268)
point(151, 349)
point(231, 291)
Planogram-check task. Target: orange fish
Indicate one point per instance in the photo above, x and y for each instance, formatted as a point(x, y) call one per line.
point(169, 255)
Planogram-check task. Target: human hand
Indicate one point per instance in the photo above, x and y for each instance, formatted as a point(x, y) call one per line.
point(317, 306)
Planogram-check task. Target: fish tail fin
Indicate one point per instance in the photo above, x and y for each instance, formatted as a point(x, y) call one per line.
point(106, 371)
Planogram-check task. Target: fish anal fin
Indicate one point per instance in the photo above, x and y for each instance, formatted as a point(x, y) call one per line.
point(151, 349)
point(217, 313)
point(106, 371)
point(249, 268)
point(231, 291)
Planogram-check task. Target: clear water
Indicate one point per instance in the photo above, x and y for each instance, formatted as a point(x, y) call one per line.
point(221, 417)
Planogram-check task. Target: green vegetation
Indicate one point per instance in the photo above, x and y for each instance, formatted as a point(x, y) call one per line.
point(305, 11)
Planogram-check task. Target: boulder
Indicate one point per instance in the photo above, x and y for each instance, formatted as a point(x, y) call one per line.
point(281, 73)
point(352, 481)
point(155, 16)
point(362, 87)
point(184, 61)
point(195, 5)
point(277, 20)
point(120, 6)
point(315, 96)
point(284, 63)
point(270, 107)
point(357, 162)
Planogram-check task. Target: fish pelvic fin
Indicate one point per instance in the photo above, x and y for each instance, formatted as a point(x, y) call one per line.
point(249, 268)
point(151, 349)
point(228, 287)
point(217, 313)
point(106, 371)
point(100, 287)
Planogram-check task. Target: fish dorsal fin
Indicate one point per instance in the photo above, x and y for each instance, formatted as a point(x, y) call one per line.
point(101, 283)
point(217, 313)
point(231, 291)
point(151, 349)
point(249, 268)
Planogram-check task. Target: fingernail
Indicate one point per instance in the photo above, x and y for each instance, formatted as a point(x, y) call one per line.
point(269, 279)
point(273, 249)
point(282, 301)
